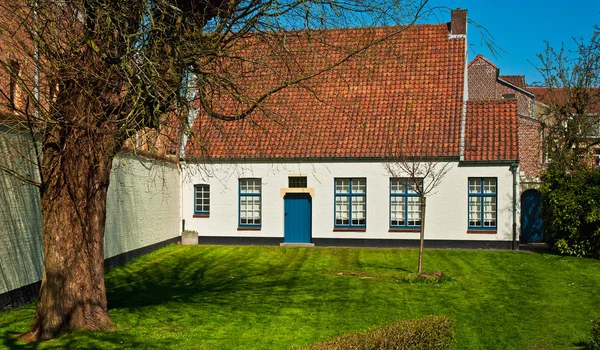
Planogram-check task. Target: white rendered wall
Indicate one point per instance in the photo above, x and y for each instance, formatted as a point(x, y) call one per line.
point(143, 204)
point(143, 208)
point(446, 217)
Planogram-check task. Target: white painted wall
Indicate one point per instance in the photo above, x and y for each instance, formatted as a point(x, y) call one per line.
point(446, 217)
point(143, 204)
point(143, 208)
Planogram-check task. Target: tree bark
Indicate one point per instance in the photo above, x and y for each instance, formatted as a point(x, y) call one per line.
point(75, 177)
point(422, 235)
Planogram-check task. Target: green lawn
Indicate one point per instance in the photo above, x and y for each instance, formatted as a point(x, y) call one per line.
point(273, 298)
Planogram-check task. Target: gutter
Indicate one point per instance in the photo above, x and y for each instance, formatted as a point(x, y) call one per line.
point(513, 86)
point(489, 162)
point(514, 169)
point(219, 160)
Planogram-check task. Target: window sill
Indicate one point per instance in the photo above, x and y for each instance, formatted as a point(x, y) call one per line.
point(489, 232)
point(349, 229)
point(248, 228)
point(201, 215)
point(404, 230)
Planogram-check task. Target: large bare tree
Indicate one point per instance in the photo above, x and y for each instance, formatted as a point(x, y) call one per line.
point(79, 78)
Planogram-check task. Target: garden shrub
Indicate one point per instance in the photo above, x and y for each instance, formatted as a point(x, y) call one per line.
point(595, 338)
point(571, 211)
point(431, 332)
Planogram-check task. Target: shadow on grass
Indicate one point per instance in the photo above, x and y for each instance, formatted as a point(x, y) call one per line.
point(179, 277)
point(234, 281)
point(88, 340)
point(197, 275)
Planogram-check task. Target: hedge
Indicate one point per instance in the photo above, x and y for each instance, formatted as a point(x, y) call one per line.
point(571, 211)
point(431, 332)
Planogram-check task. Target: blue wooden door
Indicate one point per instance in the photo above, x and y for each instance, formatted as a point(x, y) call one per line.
point(298, 218)
point(531, 217)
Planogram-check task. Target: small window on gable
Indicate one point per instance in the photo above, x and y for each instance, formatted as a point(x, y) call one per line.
point(201, 200)
point(507, 96)
point(297, 182)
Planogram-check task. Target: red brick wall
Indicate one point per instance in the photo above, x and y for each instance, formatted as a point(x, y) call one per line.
point(530, 147)
point(484, 85)
point(482, 81)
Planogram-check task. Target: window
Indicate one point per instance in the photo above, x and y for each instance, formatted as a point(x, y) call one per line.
point(506, 96)
point(201, 200)
point(250, 203)
point(297, 182)
point(350, 203)
point(482, 203)
point(405, 203)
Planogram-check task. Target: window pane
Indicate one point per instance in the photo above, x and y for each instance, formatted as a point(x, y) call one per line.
point(397, 211)
point(358, 207)
point(474, 186)
point(489, 185)
point(397, 186)
point(297, 182)
point(412, 185)
point(359, 186)
point(201, 198)
point(414, 211)
point(342, 211)
point(250, 207)
point(250, 186)
point(342, 186)
point(489, 211)
point(474, 211)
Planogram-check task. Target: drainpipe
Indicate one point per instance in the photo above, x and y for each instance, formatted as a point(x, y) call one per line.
point(514, 168)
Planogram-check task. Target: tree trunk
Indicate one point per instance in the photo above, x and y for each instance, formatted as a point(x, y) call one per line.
point(422, 244)
point(75, 178)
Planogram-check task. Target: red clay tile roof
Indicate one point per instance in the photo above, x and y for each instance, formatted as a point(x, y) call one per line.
point(406, 93)
point(516, 80)
point(491, 131)
point(369, 107)
point(554, 96)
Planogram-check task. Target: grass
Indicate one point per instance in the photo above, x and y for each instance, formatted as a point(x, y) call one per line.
point(208, 297)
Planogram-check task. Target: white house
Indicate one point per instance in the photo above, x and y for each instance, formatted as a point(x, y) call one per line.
point(309, 166)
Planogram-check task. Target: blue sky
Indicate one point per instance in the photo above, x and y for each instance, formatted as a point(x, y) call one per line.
point(521, 27)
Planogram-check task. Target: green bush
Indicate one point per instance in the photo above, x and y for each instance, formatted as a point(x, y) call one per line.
point(571, 211)
point(595, 339)
point(431, 332)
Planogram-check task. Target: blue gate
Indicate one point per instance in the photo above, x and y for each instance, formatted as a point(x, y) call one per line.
point(298, 218)
point(531, 217)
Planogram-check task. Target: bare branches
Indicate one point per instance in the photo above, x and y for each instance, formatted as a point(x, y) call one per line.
point(571, 96)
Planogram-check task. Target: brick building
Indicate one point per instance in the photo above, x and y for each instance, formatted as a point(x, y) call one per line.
point(486, 83)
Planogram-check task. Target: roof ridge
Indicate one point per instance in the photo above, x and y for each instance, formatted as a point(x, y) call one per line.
point(480, 56)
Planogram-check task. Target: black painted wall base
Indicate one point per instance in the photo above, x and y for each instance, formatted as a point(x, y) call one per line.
point(373, 243)
point(210, 240)
point(26, 294)
point(124, 258)
point(412, 243)
point(20, 296)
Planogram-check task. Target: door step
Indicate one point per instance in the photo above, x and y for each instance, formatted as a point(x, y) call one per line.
point(296, 244)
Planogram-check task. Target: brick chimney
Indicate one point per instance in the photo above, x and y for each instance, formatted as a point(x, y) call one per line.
point(458, 22)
